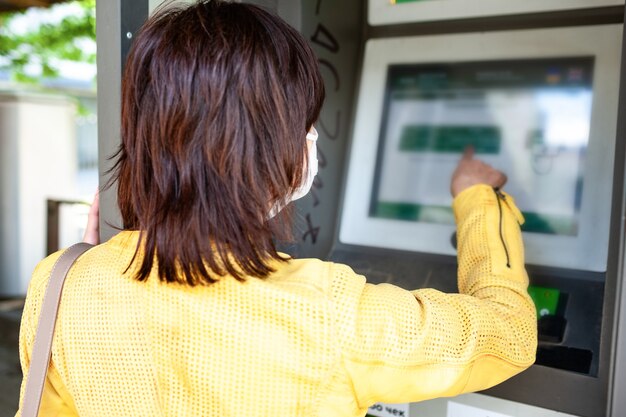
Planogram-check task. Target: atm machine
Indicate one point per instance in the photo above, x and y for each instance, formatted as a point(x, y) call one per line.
point(535, 87)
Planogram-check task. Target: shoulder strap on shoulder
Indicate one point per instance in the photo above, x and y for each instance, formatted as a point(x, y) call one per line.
point(42, 348)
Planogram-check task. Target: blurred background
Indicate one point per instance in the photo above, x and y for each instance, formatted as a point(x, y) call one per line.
point(48, 150)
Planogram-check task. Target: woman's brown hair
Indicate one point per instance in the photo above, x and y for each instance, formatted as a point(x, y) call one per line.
point(217, 98)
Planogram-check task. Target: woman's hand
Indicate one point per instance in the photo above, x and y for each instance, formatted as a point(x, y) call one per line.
point(92, 232)
point(471, 171)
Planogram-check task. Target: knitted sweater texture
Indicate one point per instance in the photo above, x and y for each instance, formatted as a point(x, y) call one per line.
point(313, 339)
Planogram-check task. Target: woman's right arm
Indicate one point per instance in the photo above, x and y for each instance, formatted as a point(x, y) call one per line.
point(402, 346)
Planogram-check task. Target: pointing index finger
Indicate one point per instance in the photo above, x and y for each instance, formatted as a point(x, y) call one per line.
point(469, 152)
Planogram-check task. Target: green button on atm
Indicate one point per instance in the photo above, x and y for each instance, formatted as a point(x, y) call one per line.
point(546, 300)
point(550, 306)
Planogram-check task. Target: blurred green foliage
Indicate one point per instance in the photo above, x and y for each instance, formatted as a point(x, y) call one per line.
point(47, 44)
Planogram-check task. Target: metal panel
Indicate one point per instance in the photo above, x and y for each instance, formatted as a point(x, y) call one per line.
point(617, 399)
point(334, 31)
point(392, 12)
point(617, 402)
point(117, 21)
point(566, 18)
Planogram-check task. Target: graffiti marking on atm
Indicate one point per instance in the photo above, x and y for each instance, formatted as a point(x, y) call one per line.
point(311, 229)
point(325, 39)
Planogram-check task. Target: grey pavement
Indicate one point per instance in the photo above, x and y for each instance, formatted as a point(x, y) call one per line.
point(10, 371)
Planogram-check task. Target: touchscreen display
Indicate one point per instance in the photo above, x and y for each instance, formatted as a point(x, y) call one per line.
point(528, 118)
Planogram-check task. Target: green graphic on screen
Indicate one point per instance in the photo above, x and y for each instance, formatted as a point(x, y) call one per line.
point(528, 118)
point(450, 139)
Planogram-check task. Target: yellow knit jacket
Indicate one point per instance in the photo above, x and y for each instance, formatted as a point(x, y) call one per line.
point(313, 339)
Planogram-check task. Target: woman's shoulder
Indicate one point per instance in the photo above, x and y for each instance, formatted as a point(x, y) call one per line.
point(37, 288)
point(41, 273)
point(328, 275)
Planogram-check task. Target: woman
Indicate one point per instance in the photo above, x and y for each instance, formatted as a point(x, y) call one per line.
point(191, 311)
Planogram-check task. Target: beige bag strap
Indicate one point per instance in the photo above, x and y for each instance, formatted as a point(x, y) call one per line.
point(42, 348)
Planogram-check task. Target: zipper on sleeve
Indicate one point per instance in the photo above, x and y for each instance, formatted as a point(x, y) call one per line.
point(500, 196)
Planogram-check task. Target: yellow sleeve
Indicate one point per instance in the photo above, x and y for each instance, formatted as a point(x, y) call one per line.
point(55, 400)
point(402, 346)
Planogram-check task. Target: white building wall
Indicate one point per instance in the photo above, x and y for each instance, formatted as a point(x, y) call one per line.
point(38, 156)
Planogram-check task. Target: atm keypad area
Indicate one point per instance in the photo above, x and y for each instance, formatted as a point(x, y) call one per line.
point(569, 303)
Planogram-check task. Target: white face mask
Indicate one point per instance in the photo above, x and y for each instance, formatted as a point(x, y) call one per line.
point(305, 187)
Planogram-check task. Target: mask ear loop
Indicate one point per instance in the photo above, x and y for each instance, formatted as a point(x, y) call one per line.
point(312, 135)
point(312, 154)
